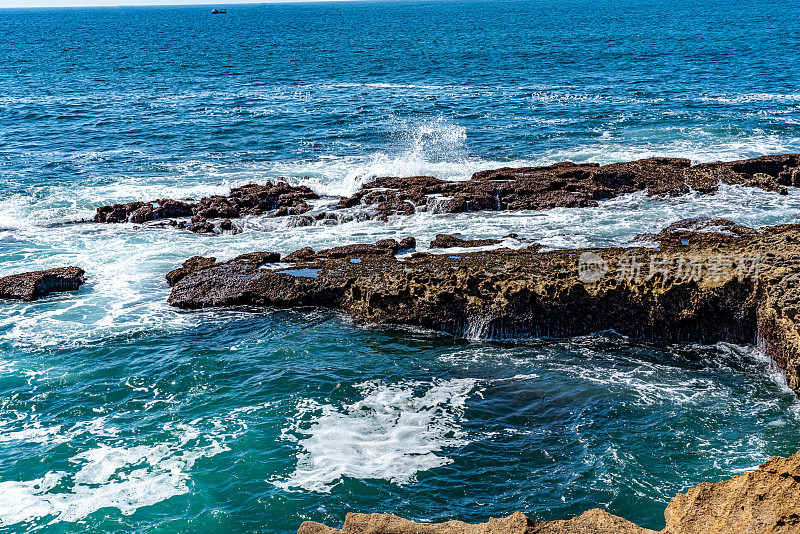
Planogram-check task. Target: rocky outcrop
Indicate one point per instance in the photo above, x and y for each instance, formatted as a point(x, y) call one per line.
point(140, 212)
point(32, 285)
point(196, 264)
point(764, 501)
point(453, 241)
point(384, 247)
point(569, 185)
point(273, 199)
point(592, 522)
point(708, 282)
point(276, 199)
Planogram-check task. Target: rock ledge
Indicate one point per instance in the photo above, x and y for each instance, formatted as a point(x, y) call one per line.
point(32, 285)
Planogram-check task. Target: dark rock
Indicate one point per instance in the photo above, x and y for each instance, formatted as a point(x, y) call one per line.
point(32, 285)
point(118, 213)
point(300, 221)
point(199, 263)
point(408, 243)
point(256, 258)
point(281, 197)
point(169, 208)
point(215, 207)
point(275, 199)
point(696, 230)
point(193, 264)
point(389, 244)
point(451, 241)
point(569, 185)
point(304, 254)
point(201, 227)
point(387, 247)
point(384, 247)
point(141, 212)
point(226, 225)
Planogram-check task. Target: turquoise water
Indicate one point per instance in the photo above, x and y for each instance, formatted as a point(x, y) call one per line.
point(120, 414)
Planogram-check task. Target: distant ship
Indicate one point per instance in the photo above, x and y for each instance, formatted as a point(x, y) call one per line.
point(219, 11)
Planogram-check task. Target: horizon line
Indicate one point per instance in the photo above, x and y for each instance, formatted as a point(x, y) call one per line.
point(179, 3)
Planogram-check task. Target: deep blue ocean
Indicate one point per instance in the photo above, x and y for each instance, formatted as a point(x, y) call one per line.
point(121, 414)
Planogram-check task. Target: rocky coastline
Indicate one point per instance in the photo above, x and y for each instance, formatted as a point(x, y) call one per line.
point(562, 185)
point(764, 501)
point(569, 185)
point(697, 280)
point(707, 281)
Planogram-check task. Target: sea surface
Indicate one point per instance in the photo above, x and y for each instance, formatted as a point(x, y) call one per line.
point(121, 414)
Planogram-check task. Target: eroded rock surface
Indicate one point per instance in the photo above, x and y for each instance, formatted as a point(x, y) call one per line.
point(452, 241)
point(195, 264)
point(32, 285)
point(707, 283)
point(593, 521)
point(569, 185)
point(764, 501)
point(275, 199)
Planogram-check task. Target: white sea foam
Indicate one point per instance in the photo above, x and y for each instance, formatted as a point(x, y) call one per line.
point(126, 291)
point(432, 148)
point(109, 476)
point(393, 433)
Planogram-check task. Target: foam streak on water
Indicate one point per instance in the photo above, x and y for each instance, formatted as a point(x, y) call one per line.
point(113, 476)
point(393, 433)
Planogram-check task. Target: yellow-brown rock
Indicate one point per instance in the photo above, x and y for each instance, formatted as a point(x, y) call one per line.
point(764, 501)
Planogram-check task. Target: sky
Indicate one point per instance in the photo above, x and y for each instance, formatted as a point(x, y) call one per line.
point(75, 3)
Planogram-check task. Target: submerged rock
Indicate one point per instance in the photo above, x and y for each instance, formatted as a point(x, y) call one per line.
point(717, 282)
point(32, 285)
point(764, 501)
point(569, 185)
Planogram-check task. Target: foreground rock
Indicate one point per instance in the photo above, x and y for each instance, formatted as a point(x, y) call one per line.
point(705, 284)
point(32, 285)
point(765, 501)
point(273, 199)
point(591, 522)
point(569, 185)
